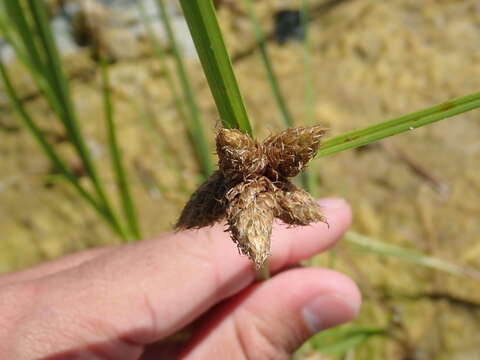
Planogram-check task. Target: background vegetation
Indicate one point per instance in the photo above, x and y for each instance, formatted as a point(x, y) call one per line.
point(364, 61)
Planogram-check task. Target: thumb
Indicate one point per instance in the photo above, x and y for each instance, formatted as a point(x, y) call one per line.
point(272, 319)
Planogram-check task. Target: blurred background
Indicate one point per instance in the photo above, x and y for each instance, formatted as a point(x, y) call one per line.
point(370, 60)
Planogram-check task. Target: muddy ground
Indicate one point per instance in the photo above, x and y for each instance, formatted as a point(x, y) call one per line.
point(372, 60)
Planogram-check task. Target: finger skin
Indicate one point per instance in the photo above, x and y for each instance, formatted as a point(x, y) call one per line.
point(139, 293)
point(270, 320)
point(52, 267)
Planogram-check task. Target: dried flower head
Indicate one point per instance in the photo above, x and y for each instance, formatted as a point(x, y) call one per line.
point(239, 156)
point(206, 205)
point(250, 212)
point(289, 152)
point(251, 188)
point(296, 206)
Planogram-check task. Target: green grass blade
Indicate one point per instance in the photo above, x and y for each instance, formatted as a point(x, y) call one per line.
point(308, 64)
point(120, 175)
point(162, 57)
point(52, 68)
point(17, 32)
point(28, 30)
point(19, 21)
point(381, 248)
point(272, 78)
point(194, 123)
point(208, 39)
point(147, 115)
point(400, 124)
point(165, 151)
point(306, 178)
point(59, 87)
point(338, 341)
point(311, 178)
point(49, 151)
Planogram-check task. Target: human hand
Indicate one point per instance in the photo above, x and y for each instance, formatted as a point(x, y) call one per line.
point(120, 302)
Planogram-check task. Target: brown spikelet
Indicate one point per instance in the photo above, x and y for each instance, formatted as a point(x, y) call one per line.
point(239, 156)
point(250, 213)
point(290, 151)
point(206, 205)
point(296, 206)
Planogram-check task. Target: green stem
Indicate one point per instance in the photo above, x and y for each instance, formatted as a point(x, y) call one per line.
point(195, 127)
point(60, 88)
point(272, 78)
point(311, 178)
point(17, 18)
point(179, 102)
point(400, 124)
point(57, 162)
point(381, 248)
point(121, 177)
point(264, 272)
point(208, 39)
point(306, 177)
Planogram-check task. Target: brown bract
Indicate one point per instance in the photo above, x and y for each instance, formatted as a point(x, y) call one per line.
point(251, 188)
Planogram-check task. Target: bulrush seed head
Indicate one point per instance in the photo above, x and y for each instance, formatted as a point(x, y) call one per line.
point(206, 205)
point(296, 206)
point(289, 152)
point(239, 156)
point(250, 213)
point(251, 188)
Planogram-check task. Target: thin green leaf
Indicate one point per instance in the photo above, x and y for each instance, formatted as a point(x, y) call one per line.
point(338, 341)
point(147, 115)
point(162, 57)
point(22, 45)
point(194, 121)
point(120, 175)
point(306, 177)
point(165, 152)
point(208, 39)
point(311, 178)
point(18, 19)
point(372, 245)
point(308, 64)
point(49, 151)
point(61, 101)
point(272, 78)
point(400, 124)
point(28, 30)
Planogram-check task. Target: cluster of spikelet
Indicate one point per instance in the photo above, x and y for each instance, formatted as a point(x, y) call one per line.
point(251, 188)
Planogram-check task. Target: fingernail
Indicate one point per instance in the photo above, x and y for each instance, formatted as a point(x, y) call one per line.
point(328, 310)
point(332, 203)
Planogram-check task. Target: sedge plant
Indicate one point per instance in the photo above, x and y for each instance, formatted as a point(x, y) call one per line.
point(27, 29)
point(42, 60)
point(216, 63)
